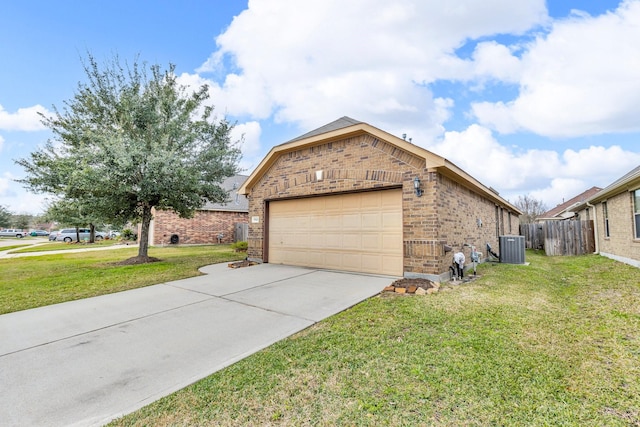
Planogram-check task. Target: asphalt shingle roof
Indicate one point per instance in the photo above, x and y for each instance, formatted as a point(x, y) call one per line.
point(341, 123)
point(237, 202)
point(578, 199)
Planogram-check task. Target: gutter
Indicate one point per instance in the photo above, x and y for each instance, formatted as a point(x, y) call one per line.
point(595, 224)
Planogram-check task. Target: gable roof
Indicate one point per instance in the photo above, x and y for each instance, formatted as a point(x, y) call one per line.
point(629, 181)
point(341, 123)
point(346, 127)
point(237, 203)
point(558, 210)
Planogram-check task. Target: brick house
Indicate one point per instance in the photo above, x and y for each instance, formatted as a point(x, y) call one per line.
point(567, 210)
point(349, 196)
point(213, 223)
point(617, 218)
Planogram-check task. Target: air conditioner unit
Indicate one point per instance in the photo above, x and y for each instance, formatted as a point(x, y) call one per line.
point(511, 249)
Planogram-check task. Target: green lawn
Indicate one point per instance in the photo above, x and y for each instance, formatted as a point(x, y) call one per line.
point(553, 343)
point(8, 248)
point(48, 279)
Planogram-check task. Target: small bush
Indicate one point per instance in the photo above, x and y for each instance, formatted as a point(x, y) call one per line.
point(128, 234)
point(240, 246)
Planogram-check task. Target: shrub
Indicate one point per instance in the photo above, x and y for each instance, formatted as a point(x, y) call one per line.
point(128, 234)
point(240, 246)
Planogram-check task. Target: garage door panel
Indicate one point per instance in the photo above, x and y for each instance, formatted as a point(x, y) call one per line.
point(392, 263)
point(391, 243)
point(351, 240)
point(355, 232)
point(391, 219)
point(351, 220)
point(315, 240)
point(371, 242)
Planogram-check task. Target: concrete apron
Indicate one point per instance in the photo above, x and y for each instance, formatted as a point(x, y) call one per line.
point(87, 362)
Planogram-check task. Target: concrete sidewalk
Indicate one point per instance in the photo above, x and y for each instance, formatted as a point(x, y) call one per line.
point(87, 362)
point(7, 254)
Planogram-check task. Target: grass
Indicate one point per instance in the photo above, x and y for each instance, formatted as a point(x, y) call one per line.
point(8, 248)
point(552, 343)
point(31, 282)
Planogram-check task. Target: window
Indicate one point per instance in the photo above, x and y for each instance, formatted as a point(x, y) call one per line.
point(605, 214)
point(636, 212)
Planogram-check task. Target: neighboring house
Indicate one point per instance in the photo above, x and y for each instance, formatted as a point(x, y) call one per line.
point(617, 218)
point(344, 197)
point(567, 210)
point(213, 223)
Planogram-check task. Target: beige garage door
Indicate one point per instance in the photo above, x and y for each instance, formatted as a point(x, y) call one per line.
point(354, 232)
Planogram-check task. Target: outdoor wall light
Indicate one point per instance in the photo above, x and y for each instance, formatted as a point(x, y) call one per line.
point(416, 186)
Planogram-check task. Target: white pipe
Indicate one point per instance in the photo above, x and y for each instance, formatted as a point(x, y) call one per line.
point(595, 226)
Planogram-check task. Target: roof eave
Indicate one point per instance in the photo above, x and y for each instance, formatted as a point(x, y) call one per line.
point(630, 183)
point(453, 171)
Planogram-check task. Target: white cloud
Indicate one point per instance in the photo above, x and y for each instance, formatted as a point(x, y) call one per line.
point(25, 119)
point(5, 180)
point(496, 61)
point(559, 190)
point(312, 62)
point(544, 174)
point(17, 199)
point(1, 143)
point(249, 133)
point(579, 79)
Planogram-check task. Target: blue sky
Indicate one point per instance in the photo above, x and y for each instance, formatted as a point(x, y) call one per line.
point(530, 97)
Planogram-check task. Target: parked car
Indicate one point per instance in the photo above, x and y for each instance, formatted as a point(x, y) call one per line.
point(39, 233)
point(53, 235)
point(12, 232)
point(69, 235)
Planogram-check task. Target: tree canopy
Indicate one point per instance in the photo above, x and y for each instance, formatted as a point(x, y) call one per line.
point(5, 217)
point(130, 140)
point(531, 207)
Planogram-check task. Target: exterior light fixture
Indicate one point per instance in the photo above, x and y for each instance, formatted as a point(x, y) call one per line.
point(416, 186)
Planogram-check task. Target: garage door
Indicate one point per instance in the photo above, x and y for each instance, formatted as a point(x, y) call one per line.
point(354, 232)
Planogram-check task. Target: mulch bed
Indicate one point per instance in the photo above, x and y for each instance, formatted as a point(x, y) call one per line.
point(416, 286)
point(243, 263)
point(138, 260)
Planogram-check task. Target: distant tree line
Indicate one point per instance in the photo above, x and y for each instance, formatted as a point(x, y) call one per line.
point(22, 221)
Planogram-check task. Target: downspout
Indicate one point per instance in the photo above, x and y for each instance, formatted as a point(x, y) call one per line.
point(595, 223)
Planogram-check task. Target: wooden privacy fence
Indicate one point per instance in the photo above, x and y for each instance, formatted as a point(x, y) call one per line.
point(560, 237)
point(241, 232)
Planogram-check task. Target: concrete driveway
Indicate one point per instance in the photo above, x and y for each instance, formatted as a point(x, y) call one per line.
point(87, 362)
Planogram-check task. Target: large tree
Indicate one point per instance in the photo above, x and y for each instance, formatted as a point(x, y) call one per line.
point(5, 217)
point(130, 140)
point(531, 207)
point(74, 213)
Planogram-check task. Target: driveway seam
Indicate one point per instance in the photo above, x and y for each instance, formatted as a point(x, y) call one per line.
point(225, 296)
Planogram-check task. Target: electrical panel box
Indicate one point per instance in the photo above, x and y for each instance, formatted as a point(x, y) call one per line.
point(512, 249)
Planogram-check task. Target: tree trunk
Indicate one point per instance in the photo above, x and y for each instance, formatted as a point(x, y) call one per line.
point(143, 239)
point(92, 233)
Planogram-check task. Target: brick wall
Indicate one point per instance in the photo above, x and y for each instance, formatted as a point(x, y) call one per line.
point(204, 227)
point(446, 213)
point(467, 217)
point(621, 241)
